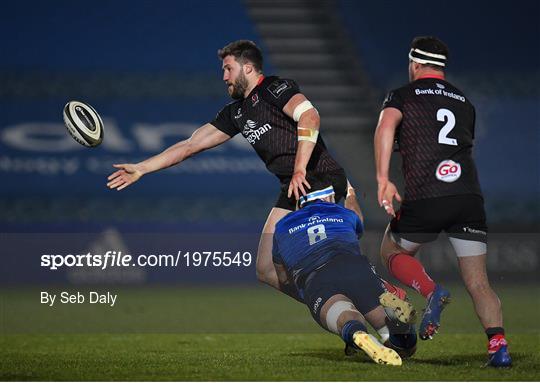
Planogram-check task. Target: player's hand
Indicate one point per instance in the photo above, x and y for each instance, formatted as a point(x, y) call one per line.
point(387, 191)
point(296, 186)
point(128, 174)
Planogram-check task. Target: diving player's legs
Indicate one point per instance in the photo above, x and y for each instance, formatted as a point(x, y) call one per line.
point(265, 269)
point(343, 292)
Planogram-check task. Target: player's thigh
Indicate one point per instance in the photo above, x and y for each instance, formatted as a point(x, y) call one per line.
point(319, 287)
point(264, 254)
point(389, 246)
point(319, 295)
point(468, 236)
point(358, 280)
point(468, 229)
point(349, 275)
point(333, 309)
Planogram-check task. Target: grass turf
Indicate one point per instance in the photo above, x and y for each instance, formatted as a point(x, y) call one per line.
point(238, 334)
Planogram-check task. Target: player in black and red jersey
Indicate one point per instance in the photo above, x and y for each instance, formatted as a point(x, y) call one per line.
point(432, 123)
point(283, 128)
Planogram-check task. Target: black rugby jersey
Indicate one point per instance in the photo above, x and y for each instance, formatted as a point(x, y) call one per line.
point(435, 139)
point(260, 119)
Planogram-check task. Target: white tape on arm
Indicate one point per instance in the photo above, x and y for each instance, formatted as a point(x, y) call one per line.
point(301, 108)
point(307, 134)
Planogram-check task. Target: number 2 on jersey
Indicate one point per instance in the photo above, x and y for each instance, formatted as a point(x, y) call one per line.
point(316, 234)
point(444, 115)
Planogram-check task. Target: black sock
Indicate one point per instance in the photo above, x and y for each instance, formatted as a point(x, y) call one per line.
point(492, 331)
point(348, 330)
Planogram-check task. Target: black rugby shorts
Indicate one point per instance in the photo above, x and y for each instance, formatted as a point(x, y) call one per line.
point(460, 216)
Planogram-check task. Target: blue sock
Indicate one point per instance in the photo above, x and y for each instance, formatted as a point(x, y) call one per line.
point(349, 329)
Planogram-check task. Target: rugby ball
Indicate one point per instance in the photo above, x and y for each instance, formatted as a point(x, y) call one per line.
point(83, 123)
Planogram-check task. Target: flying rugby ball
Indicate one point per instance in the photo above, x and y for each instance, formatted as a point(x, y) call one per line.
point(83, 123)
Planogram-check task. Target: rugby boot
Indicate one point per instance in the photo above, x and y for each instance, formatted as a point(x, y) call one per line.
point(398, 308)
point(431, 320)
point(375, 350)
point(403, 342)
point(397, 291)
point(498, 352)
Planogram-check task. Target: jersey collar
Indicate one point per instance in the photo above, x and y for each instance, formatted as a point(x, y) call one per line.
point(259, 82)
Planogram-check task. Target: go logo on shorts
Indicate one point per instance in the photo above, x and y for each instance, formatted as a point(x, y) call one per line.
point(448, 171)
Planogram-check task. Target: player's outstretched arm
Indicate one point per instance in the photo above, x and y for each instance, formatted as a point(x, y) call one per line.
point(206, 137)
point(389, 120)
point(301, 110)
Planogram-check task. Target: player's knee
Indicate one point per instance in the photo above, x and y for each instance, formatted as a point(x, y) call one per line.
point(338, 314)
point(347, 316)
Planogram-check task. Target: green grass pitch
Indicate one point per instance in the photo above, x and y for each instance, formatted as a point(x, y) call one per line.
point(187, 333)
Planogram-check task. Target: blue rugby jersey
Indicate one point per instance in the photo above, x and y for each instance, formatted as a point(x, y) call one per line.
point(308, 238)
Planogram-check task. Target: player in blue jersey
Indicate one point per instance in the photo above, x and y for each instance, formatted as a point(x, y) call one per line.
point(316, 249)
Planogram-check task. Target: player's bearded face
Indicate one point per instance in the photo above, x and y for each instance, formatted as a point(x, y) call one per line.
point(238, 87)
